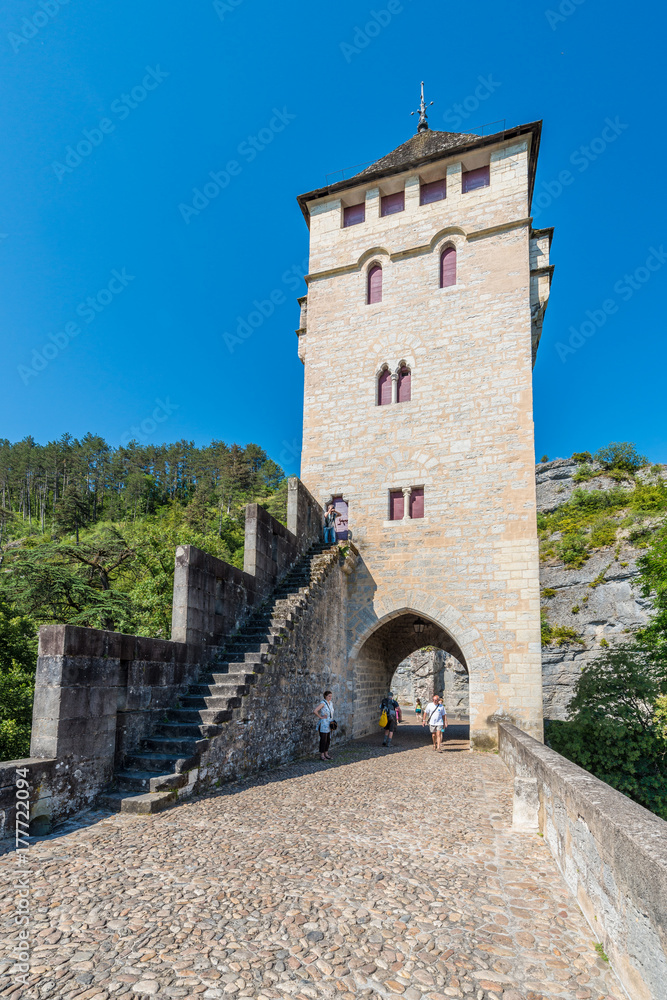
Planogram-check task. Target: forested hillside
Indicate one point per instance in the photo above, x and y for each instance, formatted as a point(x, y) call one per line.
point(88, 534)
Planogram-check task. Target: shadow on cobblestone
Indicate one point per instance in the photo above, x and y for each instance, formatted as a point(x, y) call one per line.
point(409, 737)
point(385, 873)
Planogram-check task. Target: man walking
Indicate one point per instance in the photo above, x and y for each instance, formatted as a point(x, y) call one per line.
point(434, 714)
point(390, 706)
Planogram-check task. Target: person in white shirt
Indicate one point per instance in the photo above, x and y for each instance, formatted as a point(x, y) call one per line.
point(435, 716)
point(325, 713)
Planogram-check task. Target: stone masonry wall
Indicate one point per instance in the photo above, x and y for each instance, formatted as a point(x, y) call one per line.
point(466, 435)
point(278, 722)
point(611, 851)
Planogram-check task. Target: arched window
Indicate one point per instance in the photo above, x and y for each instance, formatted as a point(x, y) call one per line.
point(384, 387)
point(404, 385)
point(448, 267)
point(375, 284)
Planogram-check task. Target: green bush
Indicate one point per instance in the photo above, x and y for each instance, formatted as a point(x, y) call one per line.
point(621, 455)
point(18, 659)
point(616, 728)
point(582, 456)
point(560, 634)
point(583, 474)
point(603, 534)
point(573, 549)
point(653, 578)
point(14, 740)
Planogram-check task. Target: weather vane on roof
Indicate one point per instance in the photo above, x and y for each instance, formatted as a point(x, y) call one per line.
point(423, 117)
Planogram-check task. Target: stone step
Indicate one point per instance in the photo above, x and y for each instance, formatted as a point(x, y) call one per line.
point(243, 667)
point(234, 677)
point(143, 804)
point(179, 730)
point(213, 688)
point(147, 781)
point(201, 703)
point(247, 650)
point(159, 763)
point(205, 717)
point(182, 748)
point(133, 781)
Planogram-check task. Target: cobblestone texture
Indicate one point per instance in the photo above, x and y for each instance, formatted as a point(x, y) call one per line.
point(386, 872)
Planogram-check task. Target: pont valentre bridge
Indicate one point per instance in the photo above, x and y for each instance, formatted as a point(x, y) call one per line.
point(424, 272)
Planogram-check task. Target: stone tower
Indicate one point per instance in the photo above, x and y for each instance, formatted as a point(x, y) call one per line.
point(426, 291)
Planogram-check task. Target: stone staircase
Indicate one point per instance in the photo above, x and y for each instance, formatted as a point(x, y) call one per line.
point(152, 775)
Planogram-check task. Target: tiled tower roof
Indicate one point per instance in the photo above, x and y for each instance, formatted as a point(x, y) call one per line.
point(425, 147)
point(423, 144)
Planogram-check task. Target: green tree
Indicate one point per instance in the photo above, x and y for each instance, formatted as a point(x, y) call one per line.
point(72, 511)
point(621, 455)
point(614, 729)
point(653, 577)
point(18, 658)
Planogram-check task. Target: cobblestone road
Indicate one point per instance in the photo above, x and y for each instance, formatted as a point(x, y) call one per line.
point(389, 873)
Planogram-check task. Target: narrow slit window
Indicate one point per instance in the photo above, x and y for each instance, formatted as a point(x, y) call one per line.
point(354, 214)
point(384, 388)
point(448, 267)
point(434, 191)
point(375, 284)
point(417, 502)
point(473, 179)
point(404, 385)
point(392, 203)
point(396, 505)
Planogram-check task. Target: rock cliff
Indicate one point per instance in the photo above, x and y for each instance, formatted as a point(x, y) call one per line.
point(597, 602)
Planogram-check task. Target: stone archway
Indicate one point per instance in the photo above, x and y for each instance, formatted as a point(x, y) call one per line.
point(378, 655)
point(430, 670)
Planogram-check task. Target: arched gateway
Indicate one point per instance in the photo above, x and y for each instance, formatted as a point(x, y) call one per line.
point(438, 482)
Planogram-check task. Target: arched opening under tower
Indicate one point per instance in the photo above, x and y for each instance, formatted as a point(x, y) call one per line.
point(387, 648)
point(428, 671)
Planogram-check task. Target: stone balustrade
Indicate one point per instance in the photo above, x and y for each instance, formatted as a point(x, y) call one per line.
point(611, 851)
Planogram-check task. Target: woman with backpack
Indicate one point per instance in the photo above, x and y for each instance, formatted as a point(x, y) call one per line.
point(389, 707)
point(325, 714)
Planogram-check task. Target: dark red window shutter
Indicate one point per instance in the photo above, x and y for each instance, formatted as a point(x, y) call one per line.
point(392, 203)
point(473, 179)
point(404, 380)
point(353, 214)
point(417, 502)
point(448, 267)
point(396, 505)
point(384, 388)
point(375, 284)
point(435, 191)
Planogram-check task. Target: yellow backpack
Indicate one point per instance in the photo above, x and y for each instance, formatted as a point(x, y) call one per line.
point(383, 719)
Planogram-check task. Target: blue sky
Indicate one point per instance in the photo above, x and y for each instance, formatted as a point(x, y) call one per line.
point(154, 97)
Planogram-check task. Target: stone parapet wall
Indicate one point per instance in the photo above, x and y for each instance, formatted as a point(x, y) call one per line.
point(58, 790)
point(212, 598)
point(612, 853)
point(97, 694)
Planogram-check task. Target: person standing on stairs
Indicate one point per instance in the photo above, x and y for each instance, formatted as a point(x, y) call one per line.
point(325, 713)
point(330, 525)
